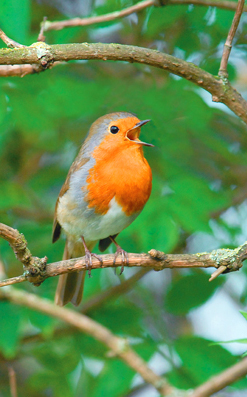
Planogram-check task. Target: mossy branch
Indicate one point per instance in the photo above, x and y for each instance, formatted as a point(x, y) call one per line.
point(45, 55)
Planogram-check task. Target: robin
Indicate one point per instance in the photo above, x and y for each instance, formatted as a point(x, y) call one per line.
point(106, 188)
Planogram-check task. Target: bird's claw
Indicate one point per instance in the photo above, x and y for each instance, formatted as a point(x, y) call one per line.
point(125, 259)
point(88, 261)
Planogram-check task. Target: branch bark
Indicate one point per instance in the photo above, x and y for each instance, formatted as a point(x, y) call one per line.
point(230, 37)
point(33, 266)
point(41, 53)
point(9, 42)
point(36, 269)
point(225, 378)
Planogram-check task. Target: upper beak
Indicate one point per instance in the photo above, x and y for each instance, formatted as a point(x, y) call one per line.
point(133, 133)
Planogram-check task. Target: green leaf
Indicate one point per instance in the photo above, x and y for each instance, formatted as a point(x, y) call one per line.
point(114, 380)
point(12, 194)
point(126, 317)
point(244, 314)
point(199, 361)
point(193, 206)
point(9, 328)
point(58, 355)
point(231, 341)
point(44, 323)
point(189, 291)
point(45, 381)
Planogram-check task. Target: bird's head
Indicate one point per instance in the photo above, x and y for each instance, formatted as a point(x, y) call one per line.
point(115, 131)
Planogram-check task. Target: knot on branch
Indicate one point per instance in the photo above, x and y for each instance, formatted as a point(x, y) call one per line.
point(159, 256)
point(43, 54)
point(36, 272)
point(228, 258)
point(121, 347)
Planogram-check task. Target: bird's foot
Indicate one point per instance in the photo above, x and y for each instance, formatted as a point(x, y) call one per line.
point(88, 258)
point(125, 259)
point(124, 255)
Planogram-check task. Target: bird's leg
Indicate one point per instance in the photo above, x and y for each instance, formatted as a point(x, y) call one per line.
point(88, 257)
point(124, 254)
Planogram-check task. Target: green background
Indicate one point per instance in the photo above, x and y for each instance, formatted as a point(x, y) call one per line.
point(199, 172)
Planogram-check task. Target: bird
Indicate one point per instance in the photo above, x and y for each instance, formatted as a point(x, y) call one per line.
point(106, 188)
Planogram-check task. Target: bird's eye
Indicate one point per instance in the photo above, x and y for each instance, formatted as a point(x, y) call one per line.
point(114, 129)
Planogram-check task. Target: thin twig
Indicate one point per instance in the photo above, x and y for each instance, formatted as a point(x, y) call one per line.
point(10, 43)
point(41, 36)
point(228, 44)
point(57, 25)
point(218, 382)
point(118, 346)
point(225, 5)
point(13, 280)
point(12, 381)
point(23, 70)
point(16, 70)
point(218, 272)
point(98, 19)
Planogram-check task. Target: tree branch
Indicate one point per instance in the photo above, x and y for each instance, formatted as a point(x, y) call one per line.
point(23, 70)
point(36, 269)
point(58, 25)
point(33, 265)
point(228, 44)
point(41, 53)
point(93, 303)
point(218, 382)
point(118, 346)
point(225, 5)
point(12, 381)
point(10, 43)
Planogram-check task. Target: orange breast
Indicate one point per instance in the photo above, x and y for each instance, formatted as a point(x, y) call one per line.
point(121, 171)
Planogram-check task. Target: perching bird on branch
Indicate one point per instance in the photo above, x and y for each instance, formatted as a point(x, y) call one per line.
point(106, 188)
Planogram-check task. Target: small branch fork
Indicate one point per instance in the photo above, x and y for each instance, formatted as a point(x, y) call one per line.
point(10, 43)
point(228, 44)
point(36, 270)
point(23, 70)
point(33, 266)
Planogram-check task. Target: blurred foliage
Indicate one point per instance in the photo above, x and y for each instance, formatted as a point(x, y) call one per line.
point(199, 180)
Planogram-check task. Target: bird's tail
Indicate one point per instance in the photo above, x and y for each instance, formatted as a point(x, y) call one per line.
point(70, 285)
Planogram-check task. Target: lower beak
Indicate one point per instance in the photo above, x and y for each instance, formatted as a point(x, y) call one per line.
point(134, 132)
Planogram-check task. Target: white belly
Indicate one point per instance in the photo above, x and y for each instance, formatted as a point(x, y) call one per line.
point(77, 221)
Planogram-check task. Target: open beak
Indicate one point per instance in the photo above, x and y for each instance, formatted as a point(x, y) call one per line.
point(134, 132)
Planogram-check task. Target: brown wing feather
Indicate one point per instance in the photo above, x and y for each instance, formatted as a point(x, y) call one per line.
point(77, 164)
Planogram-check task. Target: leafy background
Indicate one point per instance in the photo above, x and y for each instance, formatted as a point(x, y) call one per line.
point(197, 203)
